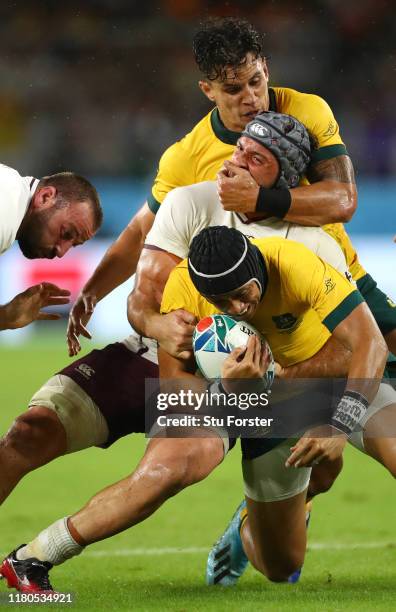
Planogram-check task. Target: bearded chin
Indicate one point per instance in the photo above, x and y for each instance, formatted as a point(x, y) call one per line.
point(30, 234)
point(27, 248)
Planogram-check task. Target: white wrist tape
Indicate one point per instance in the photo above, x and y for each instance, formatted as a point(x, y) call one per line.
point(349, 411)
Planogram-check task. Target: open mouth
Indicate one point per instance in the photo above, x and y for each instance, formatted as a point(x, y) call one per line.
point(253, 113)
point(247, 313)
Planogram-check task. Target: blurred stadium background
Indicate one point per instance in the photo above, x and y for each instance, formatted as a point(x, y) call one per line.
point(102, 87)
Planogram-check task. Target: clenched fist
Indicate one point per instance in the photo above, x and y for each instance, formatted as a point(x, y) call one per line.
point(237, 189)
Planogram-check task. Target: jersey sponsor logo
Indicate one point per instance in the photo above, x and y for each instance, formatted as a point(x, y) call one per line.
point(349, 276)
point(329, 285)
point(331, 130)
point(85, 370)
point(258, 129)
point(285, 322)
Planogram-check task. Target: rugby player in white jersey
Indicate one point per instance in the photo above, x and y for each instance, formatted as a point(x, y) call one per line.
point(46, 217)
point(167, 467)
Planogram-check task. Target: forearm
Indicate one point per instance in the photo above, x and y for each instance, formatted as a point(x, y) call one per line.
point(365, 374)
point(176, 369)
point(332, 361)
point(321, 203)
point(144, 315)
point(367, 367)
point(5, 322)
point(117, 265)
point(144, 302)
point(330, 198)
point(120, 260)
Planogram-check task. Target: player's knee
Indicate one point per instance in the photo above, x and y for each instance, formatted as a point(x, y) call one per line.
point(32, 429)
point(323, 477)
point(202, 457)
point(280, 570)
point(320, 484)
point(280, 565)
point(391, 466)
point(169, 472)
point(165, 464)
point(180, 462)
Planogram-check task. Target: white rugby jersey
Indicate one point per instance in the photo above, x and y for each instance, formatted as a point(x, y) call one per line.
point(16, 191)
point(185, 211)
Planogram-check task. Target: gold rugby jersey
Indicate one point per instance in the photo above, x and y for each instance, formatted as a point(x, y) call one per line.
point(304, 301)
point(200, 154)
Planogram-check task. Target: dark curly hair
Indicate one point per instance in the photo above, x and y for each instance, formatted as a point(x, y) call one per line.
point(225, 42)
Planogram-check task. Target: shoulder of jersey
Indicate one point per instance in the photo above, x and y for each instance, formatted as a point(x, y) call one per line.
point(287, 97)
point(9, 174)
point(11, 184)
point(200, 137)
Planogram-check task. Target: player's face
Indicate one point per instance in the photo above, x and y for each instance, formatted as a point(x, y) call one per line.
point(259, 161)
point(241, 303)
point(50, 231)
point(242, 94)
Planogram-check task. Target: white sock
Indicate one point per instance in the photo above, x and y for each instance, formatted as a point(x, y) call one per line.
point(54, 544)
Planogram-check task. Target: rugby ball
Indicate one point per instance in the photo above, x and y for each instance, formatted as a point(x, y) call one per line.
point(216, 336)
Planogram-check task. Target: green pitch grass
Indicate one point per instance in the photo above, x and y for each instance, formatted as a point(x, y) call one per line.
point(350, 563)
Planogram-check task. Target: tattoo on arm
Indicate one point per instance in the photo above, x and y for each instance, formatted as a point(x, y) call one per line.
point(338, 168)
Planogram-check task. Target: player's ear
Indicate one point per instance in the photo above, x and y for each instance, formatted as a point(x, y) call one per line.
point(44, 197)
point(265, 68)
point(207, 89)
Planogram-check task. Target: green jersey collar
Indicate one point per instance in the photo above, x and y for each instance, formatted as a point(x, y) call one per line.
point(221, 132)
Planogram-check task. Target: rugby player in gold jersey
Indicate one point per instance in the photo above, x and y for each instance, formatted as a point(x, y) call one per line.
point(231, 56)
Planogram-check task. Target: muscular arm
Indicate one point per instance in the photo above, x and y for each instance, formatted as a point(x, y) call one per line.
point(120, 260)
point(361, 335)
point(351, 351)
point(174, 330)
point(178, 376)
point(332, 361)
point(330, 198)
point(144, 302)
point(116, 266)
point(356, 349)
point(174, 368)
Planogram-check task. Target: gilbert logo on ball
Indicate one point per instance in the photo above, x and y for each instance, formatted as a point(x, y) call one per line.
point(216, 336)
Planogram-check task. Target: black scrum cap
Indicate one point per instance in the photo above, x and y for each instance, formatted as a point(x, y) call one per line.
point(222, 259)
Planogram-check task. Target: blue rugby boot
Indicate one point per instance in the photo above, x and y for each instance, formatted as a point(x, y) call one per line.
point(227, 560)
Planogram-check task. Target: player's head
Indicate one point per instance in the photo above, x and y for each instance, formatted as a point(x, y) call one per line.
point(229, 53)
point(276, 150)
point(64, 212)
point(228, 270)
